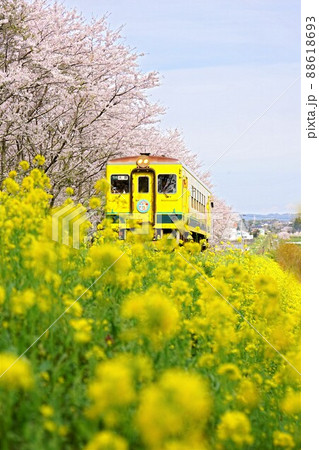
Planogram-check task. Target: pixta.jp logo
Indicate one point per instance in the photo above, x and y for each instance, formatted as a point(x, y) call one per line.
point(66, 223)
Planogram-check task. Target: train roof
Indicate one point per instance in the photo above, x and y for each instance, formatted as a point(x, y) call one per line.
point(152, 160)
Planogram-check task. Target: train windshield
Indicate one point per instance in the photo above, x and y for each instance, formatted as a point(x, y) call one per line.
point(120, 184)
point(166, 184)
point(143, 184)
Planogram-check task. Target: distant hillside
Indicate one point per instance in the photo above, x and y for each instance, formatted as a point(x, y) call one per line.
point(285, 217)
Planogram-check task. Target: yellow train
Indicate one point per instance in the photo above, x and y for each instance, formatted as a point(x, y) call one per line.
point(159, 193)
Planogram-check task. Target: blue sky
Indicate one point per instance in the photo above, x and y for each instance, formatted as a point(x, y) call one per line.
point(222, 64)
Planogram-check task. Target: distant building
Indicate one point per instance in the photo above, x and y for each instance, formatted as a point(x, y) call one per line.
point(235, 234)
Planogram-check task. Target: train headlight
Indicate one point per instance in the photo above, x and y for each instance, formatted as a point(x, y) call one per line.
point(142, 162)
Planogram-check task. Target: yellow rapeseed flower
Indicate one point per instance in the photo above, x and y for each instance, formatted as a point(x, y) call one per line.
point(27, 183)
point(39, 160)
point(17, 373)
point(195, 443)
point(291, 403)
point(230, 370)
point(105, 440)
point(69, 191)
point(112, 387)
point(157, 317)
point(75, 309)
point(50, 426)
point(102, 185)
point(45, 376)
point(282, 439)
point(24, 165)
point(41, 257)
point(83, 330)
point(235, 426)
point(11, 186)
point(178, 405)
point(206, 360)
point(247, 394)
point(46, 410)
point(96, 352)
point(95, 202)
point(22, 301)
point(107, 257)
point(63, 430)
point(2, 295)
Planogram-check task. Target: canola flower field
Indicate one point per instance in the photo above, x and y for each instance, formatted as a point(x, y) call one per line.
point(149, 348)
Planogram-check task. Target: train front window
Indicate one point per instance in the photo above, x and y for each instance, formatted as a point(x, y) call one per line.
point(120, 184)
point(143, 184)
point(166, 184)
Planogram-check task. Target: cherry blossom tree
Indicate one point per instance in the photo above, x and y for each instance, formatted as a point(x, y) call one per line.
point(224, 219)
point(69, 90)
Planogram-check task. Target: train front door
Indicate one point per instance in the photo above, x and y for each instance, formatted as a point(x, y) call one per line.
point(143, 195)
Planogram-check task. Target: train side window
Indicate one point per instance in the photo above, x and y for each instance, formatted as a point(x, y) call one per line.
point(193, 196)
point(120, 184)
point(166, 184)
point(143, 184)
